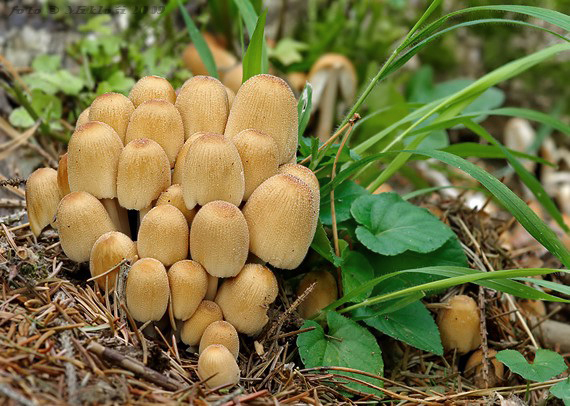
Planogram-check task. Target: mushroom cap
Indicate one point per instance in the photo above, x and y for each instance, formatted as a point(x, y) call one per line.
point(173, 195)
point(220, 332)
point(163, 235)
point(266, 103)
point(474, 369)
point(224, 59)
point(203, 105)
point(303, 173)
point(152, 87)
point(217, 363)
point(212, 287)
point(92, 160)
point(232, 77)
point(323, 294)
point(188, 285)
point(178, 172)
point(110, 249)
point(81, 220)
point(245, 298)
point(193, 328)
point(160, 121)
point(143, 174)
point(212, 171)
point(62, 177)
point(147, 290)
point(231, 96)
point(83, 118)
point(220, 239)
point(297, 80)
point(42, 198)
point(259, 157)
point(113, 109)
point(281, 216)
point(459, 325)
point(341, 68)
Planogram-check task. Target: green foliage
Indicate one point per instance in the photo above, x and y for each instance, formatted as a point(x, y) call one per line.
point(546, 365)
point(562, 391)
point(253, 60)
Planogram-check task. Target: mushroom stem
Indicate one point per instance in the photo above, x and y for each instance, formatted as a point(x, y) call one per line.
point(118, 215)
point(328, 100)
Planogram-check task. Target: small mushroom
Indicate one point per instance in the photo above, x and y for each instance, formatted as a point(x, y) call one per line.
point(152, 87)
point(193, 328)
point(203, 105)
point(62, 177)
point(233, 76)
point(459, 325)
point(474, 369)
point(245, 298)
point(259, 157)
point(147, 291)
point(109, 250)
point(330, 74)
point(323, 294)
point(218, 367)
point(160, 121)
point(178, 172)
point(188, 285)
point(266, 103)
point(173, 195)
point(297, 80)
point(212, 171)
point(231, 96)
point(81, 220)
point(113, 109)
point(42, 198)
point(306, 175)
point(163, 235)
point(281, 215)
point(220, 239)
point(212, 287)
point(83, 118)
point(220, 332)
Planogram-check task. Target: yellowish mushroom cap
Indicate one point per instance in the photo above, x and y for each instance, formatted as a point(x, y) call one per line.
point(152, 87)
point(306, 175)
point(193, 328)
point(224, 59)
point(217, 363)
point(188, 285)
point(178, 172)
point(232, 77)
point(323, 294)
point(113, 109)
point(231, 96)
point(459, 325)
point(83, 118)
point(212, 287)
point(110, 249)
point(474, 369)
point(220, 332)
point(62, 177)
point(42, 198)
point(173, 195)
point(147, 290)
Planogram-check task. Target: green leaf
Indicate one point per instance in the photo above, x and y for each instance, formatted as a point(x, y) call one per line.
point(546, 365)
point(117, 82)
point(356, 270)
point(46, 63)
point(19, 117)
point(390, 225)
point(344, 195)
point(68, 83)
point(304, 107)
point(412, 324)
point(346, 344)
point(322, 245)
point(562, 391)
point(247, 12)
point(474, 149)
point(253, 59)
point(288, 51)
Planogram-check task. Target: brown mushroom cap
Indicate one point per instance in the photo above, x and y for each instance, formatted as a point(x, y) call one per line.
point(231, 96)
point(193, 328)
point(42, 198)
point(178, 172)
point(474, 369)
point(220, 332)
point(113, 109)
point(212, 171)
point(160, 121)
point(212, 287)
point(459, 325)
point(307, 176)
point(232, 77)
point(83, 118)
point(173, 195)
point(224, 60)
point(244, 299)
point(147, 290)
point(203, 105)
point(297, 80)
point(188, 285)
point(92, 160)
point(267, 104)
point(143, 174)
point(163, 235)
point(81, 220)
point(281, 216)
point(152, 87)
point(218, 366)
point(323, 294)
point(110, 249)
point(259, 157)
point(220, 239)
point(62, 178)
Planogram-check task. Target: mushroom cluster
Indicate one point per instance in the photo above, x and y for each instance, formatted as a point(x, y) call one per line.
point(198, 193)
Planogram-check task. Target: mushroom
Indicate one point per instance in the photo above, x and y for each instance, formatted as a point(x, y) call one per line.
point(152, 87)
point(212, 287)
point(143, 174)
point(330, 74)
point(220, 332)
point(220, 239)
point(160, 121)
point(297, 81)
point(203, 105)
point(323, 294)
point(42, 198)
point(81, 220)
point(188, 285)
point(178, 172)
point(113, 109)
point(474, 369)
point(62, 177)
point(233, 76)
point(109, 250)
point(459, 325)
point(163, 235)
point(83, 118)
point(267, 104)
point(212, 171)
point(218, 367)
point(306, 175)
point(173, 195)
point(259, 157)
point(193, 328)
point(281, 215)
point(231, 96)
point(147, 291)
point(245, 298)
